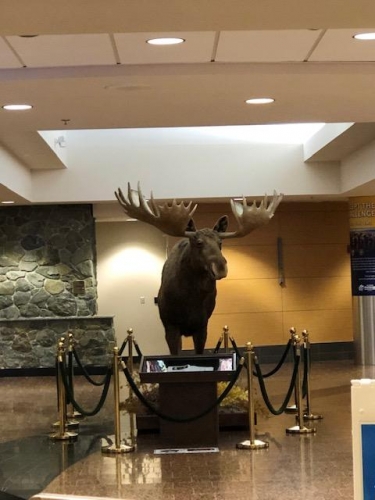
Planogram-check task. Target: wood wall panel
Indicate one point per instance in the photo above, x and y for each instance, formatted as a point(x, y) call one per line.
point(315, 261)
point(257, 295)
point(302, 294)
point(314, 228)
point(323, 326)
point(317, 291)
point(251, 262)
point(258, 328)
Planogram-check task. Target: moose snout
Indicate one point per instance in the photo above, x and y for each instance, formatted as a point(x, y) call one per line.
point(219, 269)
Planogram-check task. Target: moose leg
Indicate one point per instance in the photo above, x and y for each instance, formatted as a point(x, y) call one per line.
point(173, 338)
point(199, 339)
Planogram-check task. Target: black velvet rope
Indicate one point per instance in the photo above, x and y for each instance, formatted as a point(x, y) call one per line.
point(277, 367)
point(123, 345)
point(151, 407)
point(280, 363)
point(70, 375)
point(290, 390)
point(139, 352)
point(76, 406)
point(86, 374)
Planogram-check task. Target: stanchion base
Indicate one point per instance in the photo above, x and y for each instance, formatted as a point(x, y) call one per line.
point(71, 437)
point(75, 415)
point(257, 444)
point(291, 409)
point(114, 450)
point(300, 430)
point(70, 424)
point(311, 416)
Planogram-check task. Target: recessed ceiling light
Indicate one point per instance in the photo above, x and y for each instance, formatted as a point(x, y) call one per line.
point(364, 36)
point(17, 107)
point(165, 41)
point(260, 100)
point(7, 202)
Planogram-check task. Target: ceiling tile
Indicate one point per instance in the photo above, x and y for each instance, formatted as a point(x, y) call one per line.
point(133, 49)
point(265, 46)
point(7, 58)
point(339, 45)
point(64, 50)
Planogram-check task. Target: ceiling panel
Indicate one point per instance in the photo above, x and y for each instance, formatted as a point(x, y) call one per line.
point(133, 49)
point(7, 57)
point(64, 50)
point(339, 45)
point(265, 46)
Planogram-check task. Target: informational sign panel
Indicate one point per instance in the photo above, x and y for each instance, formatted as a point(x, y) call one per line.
point(362, 244)
point(368, 460)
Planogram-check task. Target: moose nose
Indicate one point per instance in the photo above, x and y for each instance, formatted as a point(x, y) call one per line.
point(220, 271)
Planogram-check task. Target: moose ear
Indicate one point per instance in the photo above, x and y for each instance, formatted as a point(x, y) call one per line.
point(190, 228)
point(221, 225)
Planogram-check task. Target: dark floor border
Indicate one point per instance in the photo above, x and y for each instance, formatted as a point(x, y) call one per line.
point(41, 372)
point(325, 351)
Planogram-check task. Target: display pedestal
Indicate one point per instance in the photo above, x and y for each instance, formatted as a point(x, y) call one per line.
point(184, 394)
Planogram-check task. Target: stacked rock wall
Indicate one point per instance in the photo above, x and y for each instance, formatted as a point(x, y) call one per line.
point(32, 343)
point(47, 261)
point(48, 286)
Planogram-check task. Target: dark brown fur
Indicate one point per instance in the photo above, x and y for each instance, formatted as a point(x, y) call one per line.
point(187, 293)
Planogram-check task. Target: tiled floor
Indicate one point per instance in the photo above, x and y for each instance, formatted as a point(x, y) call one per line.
point(315, 466)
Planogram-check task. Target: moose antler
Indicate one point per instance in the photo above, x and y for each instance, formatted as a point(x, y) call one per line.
point(173, 218)
point(170, 218)
point(249, 217)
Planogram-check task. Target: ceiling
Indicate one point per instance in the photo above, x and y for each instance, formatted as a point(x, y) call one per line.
point(85, 65)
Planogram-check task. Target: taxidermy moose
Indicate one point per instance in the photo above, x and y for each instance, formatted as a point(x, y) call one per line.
point(187, 293)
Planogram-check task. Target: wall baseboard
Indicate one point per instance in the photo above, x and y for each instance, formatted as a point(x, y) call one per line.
point(328, 351)
point(324, 351)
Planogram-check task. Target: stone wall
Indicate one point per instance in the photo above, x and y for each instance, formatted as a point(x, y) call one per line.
point(48, 287)
point(47, 261)
point(32, 343)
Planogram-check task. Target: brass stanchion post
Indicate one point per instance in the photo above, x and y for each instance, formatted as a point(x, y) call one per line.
point(226, 338)
point(117, 447)
point(292, 408)
point(308, 415)
point(300, 428)
point(130, 366)
point(62, 434)
point(72, 413)
point(252, 443)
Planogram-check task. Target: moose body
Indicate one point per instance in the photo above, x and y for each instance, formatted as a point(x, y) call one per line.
point(187, 293)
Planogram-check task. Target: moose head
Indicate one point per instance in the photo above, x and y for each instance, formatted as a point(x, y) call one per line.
point(187, 294)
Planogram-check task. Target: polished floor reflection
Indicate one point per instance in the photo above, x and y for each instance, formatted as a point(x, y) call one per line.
point(316, 466)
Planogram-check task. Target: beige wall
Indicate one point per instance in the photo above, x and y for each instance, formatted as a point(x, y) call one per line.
point(130, 256)
point(316, 295)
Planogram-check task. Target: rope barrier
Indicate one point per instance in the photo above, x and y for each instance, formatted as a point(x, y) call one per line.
point(74, 402)
point(277, 367)
point(85, 372)
point(122, 348)
point(264, 390)
point(280, 363)
point(151, 407)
